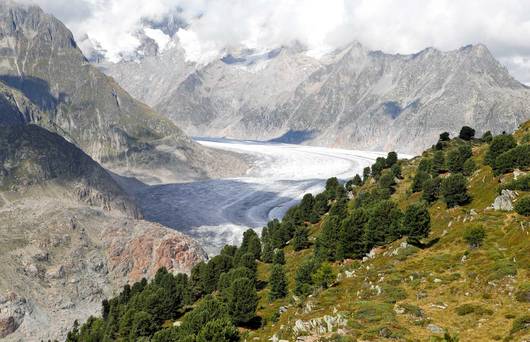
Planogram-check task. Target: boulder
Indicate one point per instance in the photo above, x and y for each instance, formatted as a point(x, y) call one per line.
point(504, 201)
point(435, 329)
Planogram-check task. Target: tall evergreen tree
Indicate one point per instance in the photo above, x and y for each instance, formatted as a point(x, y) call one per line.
point(303, 278)
point(279, 257)
point(366, 174)
point(351, 234)
point(327, 242)
point(391, 159)
point(416, 221)
point(266, 245)
point(378, 167)
point(431, 189)
point(419, 179)
point(277, 283)
point(251, 244)
point(466, 133)
point(300, 239)
point(454, 190)
point(242, 301)
point(357, 181)
point(438, 163)
point(498, 145)
point(384, 224)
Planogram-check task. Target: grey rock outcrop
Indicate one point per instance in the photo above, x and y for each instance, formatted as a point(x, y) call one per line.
point(352, 97)
point(504, 201)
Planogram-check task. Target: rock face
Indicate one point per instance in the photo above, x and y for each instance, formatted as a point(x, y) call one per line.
point(504, 200)
point(350, 98)
point(69, 236)
point(31, 155)
point(41, 61)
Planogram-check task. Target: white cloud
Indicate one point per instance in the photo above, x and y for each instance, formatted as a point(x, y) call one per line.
point(403, 26)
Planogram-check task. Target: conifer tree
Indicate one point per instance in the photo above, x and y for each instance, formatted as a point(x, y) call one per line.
point(419, 179)
point(416, 222)
point(351, 235)
point(300, 240)
point(242, 301)
point(431, 189)
point(278, 283)
point(391, 159)
point(357, 181)
point(279, 257)
point(366, 174)
point(454, 190)
point(251, 244)
point(438, 163)
point(303, 278)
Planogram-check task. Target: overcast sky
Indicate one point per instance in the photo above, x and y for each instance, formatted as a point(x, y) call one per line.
point(399, 26)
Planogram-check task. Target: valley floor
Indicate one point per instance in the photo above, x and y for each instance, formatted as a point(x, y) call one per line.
point(217, 212)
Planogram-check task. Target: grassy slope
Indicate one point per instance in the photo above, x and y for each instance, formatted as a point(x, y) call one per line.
point(430, 278)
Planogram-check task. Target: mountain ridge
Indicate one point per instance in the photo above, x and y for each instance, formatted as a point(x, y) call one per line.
point(352, 97)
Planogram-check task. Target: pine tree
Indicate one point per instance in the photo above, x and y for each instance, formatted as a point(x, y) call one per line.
point(466, 133)
point(278, 283)
point(391, 159)
point(378, 167)
point(384, 224)
point(303, 278)
point(242, 301)
point(324, 276)
point(279, 257)
point(431, 189)
point(386, 181)
point(251, 244)
point(266, 245)
point(249, 262)
point(327, 242)
point(219, 330)
point(498, 145)
point(396, 171)
point(306, 206)
point(416, 222)
point(357, 181)
point(73, 335)
point(444, 136)
point(438, 163)
point(487, 137)
point(300, 240)
point(454, 190)
point(366, 174)
point(457, 157)
point(469, 167)
point(351, 235)
point(419, 179)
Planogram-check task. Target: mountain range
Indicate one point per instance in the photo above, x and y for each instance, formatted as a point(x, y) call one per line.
point(64, 93)
point(351, 97)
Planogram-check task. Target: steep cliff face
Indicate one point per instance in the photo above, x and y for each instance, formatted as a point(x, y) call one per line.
point(31, 155)
point(351, 97)
point(40, 59)
point(69, 236)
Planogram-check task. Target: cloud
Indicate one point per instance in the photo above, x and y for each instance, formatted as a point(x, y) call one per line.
point(404, 26)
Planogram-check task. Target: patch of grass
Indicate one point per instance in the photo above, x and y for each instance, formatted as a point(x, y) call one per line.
point(466, 309)
point(523, 293)
point(520, 324)
point(413, 310)
point(503, 268)
point(372, 312)
point(392, 294)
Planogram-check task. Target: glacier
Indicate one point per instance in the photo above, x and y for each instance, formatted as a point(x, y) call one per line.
point(217, 211)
